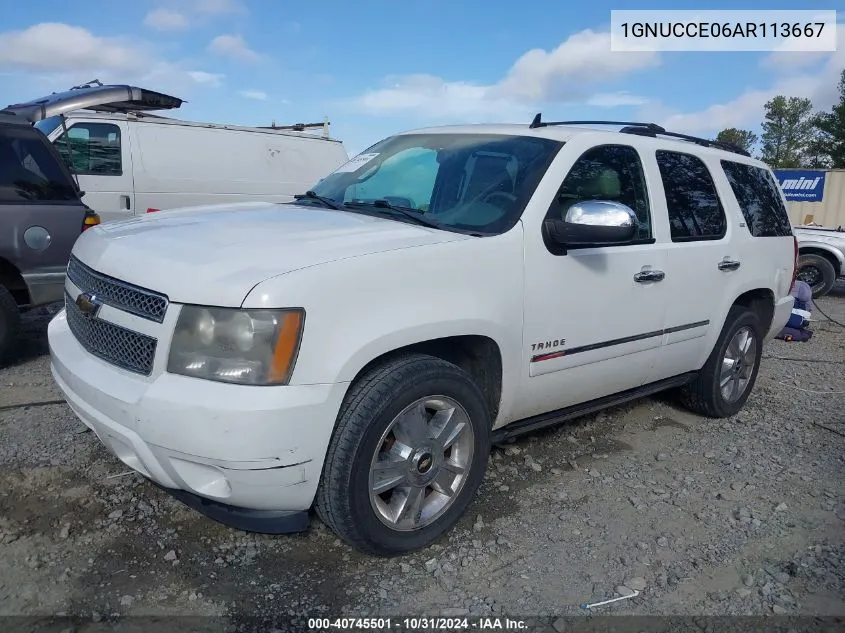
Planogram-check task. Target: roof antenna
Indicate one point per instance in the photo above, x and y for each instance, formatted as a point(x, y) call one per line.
point(537, 122)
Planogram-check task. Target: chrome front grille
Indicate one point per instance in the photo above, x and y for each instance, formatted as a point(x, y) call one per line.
point(118, 294)
point(129, 350)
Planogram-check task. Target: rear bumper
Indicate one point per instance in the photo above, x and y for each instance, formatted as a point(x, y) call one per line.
point(783, 310)
point(45, 287)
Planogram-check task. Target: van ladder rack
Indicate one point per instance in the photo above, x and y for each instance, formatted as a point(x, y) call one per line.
point(645, 129)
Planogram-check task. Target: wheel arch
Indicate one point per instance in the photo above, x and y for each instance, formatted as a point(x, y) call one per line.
point(13, 280)
point(828, 252)
point(761, 301)
point(478, 355)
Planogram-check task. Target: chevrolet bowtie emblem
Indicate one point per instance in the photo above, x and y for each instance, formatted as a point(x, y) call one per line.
point(88, 304)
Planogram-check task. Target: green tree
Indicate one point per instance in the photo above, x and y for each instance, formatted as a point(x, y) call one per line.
point(745, 139)
point(787, 130)
point(828, 142)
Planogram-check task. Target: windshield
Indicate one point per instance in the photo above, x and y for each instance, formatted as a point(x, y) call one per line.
point(462, 182)
point(49, 124)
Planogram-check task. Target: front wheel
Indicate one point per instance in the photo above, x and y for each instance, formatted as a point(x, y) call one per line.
point(407, 457)
point(817, 272)
point(724, 383)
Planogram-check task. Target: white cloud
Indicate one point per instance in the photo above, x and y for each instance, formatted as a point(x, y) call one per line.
point(584, 57)
point(567, 74)
point(56, 56)
point(233, 46)
point(215, 80)
point(258, 95)
point(787, 61)
point(60, 47)
point(166, 20)
point(818, 83)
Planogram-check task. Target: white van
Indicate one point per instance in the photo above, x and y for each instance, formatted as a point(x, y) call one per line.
point(130, 161)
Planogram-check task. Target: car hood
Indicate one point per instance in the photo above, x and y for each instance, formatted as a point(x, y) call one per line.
point(215, 255)
point(830, 236)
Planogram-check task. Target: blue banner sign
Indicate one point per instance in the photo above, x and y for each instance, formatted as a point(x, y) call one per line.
point(801, 185)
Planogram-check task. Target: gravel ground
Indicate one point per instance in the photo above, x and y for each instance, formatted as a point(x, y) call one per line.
point(733, 517)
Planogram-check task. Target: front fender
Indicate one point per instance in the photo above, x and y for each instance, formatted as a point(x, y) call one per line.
point(363, 307)
point(836, 253)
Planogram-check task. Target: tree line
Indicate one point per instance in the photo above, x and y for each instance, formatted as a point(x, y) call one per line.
point(794, 135)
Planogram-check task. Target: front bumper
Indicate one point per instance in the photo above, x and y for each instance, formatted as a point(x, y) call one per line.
point(255, 448)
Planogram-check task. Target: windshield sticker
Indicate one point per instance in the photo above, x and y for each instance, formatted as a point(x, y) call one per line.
point(356, 163)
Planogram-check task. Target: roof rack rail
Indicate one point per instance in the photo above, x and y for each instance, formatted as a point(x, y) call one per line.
point(645, 129)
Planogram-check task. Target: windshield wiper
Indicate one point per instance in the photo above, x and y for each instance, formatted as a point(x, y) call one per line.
point(326, 202)
point(407, 212)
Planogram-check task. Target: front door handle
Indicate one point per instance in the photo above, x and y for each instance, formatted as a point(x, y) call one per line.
point(647, 276)
point(124, 201)
point(728, 264)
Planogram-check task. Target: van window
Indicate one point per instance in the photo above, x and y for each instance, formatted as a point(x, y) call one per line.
point(29, 171)
point(759, 199)
point(695, 210)
point(92, 149)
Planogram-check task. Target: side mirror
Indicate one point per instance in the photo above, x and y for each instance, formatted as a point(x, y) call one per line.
point(594, 222)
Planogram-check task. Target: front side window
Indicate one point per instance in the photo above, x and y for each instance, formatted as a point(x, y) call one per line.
point(695, 211)
point(610, 173)
point(92, 149)
point(759, 199)
point(469, 183)
point(29, 171)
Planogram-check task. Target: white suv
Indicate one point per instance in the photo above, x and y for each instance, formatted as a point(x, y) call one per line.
point(360, 349)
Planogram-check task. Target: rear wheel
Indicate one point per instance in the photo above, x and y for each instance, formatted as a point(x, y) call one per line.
point(408, 454)
point(817, 272)
point(10, 320)
point(724, 383)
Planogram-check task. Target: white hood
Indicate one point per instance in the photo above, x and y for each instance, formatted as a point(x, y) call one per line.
point(215, 255)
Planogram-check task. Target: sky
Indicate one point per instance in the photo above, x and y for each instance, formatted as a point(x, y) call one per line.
point(376, 67)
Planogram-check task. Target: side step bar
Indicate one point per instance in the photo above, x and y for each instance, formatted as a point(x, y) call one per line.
point(552, 418)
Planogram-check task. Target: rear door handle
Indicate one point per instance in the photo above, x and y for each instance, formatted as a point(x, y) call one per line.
point(124, 200)
point(647, 276)
point(728, 264)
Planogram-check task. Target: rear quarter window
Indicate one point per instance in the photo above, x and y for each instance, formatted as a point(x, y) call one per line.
point(29, 171)
point(759, 199)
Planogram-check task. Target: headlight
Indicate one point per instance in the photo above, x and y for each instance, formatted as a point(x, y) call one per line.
point(247, 347)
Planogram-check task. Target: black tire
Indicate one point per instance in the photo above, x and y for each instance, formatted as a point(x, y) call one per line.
point(10, 323)
point(821, 272)
point(704, 395)
point(343, 496)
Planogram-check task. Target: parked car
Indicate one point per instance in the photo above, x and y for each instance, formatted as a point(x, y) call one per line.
point(821, 257)
point(353, 352)
point(41, 216)
point(130, 160)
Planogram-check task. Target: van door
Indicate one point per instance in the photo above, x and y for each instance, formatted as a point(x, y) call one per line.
point(99, 153)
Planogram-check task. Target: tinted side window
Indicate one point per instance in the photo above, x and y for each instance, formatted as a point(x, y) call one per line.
point(607, 172)
point(695, 211)
point(759, 199)
point(92, 148)
point(29, 171)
